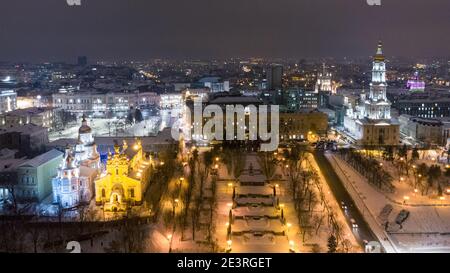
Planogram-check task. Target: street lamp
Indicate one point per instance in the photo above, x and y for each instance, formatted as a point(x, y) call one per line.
point(229, 242)
point(291, 246)
point(288, 225)
point(405, 198)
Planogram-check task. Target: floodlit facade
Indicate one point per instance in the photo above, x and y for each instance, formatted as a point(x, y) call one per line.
point(8, 101)
point(122, 183)
point(324, 82)
point(69, 187)
point(370, 122)
point(103, 104)
point(80, 167)
point(41, 116)
point(415, 84)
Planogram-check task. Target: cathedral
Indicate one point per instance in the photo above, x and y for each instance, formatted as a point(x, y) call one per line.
point(370, 122)
point(74, 183)
point(69, 187)
point(324, 82)
point(122, 184)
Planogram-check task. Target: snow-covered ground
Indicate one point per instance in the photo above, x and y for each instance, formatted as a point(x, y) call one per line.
point(106, 127)
point(427, 228)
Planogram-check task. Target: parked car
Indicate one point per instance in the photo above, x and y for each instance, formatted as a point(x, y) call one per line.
point(402, 216)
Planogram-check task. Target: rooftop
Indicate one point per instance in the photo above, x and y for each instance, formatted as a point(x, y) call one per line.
point(11, 164)
point(26, 128)
point(42, 159)
point(29, 111)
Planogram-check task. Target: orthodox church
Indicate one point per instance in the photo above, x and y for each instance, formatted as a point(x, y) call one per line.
point(121, 185)
point(370, 122)
point(81, 165)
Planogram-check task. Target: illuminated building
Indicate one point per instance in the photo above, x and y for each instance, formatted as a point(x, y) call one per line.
point(122, 183)
point(41, 116)
point(428, 106)
point(70, 187)
point(103, 103)
point(85, 148)
point(214, 84)
point(171, 101)
point(415, 84)
point(297, 99)
point(370, 123)
point(8, 101)
point(324, 82)
point(298, 125)
point(80, 167)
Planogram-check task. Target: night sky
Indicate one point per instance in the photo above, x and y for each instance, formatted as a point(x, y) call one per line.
point(50, 30)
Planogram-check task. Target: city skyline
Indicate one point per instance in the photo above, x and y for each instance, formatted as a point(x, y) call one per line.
point(120, 30)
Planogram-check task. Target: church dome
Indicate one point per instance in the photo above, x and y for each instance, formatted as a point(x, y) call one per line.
point(84, 129)
point(379, 55)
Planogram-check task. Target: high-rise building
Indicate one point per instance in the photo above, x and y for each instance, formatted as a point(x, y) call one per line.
point(275, 77)
point(82, 61)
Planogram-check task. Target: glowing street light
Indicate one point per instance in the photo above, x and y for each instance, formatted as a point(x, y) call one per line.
point(291, 246)
point(229, 242)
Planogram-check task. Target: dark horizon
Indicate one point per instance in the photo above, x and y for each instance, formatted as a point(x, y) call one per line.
point(118, 30)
